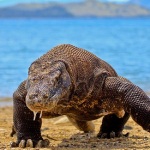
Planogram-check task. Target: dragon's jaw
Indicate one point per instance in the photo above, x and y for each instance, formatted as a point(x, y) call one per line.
point(39, 105)
point(39, 108)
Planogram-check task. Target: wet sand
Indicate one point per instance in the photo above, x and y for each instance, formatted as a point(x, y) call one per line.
point(63, 135)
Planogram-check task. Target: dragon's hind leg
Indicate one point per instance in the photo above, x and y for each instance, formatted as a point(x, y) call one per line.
point(112, 126)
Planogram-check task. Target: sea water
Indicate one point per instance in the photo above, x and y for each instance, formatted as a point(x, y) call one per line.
point(123, 43)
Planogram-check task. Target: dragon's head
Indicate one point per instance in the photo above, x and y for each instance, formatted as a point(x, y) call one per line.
point(47, 84)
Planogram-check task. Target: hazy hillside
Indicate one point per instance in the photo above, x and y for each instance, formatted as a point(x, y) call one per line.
point(144, 3)
point(34, 11)
point(99, 9)
point(89, 8)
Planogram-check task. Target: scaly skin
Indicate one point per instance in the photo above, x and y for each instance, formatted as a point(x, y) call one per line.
point(71, 81)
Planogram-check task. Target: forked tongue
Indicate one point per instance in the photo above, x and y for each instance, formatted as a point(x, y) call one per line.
point(35, 113)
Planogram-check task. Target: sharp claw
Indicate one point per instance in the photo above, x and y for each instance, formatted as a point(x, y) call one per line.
point(112, 134)
point(29, 143)
point(102, 135)
point(119, 134)
point(42, 143)
point(122, 135)
point(127, 134)
point(39, 144)
point(46, 142)
point(13, 144)
point(22, 144)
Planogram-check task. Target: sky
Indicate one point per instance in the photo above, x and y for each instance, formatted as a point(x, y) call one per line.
point(13, 2)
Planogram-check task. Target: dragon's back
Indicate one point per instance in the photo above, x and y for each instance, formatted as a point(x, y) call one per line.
point(77, 60)
point(80, 63)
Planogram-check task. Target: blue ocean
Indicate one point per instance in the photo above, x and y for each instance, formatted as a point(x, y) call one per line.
point(123, 43)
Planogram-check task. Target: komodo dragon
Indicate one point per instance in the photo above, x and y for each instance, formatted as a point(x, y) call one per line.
point(71, 81)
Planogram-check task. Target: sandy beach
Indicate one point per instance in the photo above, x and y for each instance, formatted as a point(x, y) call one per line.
point(63, 135)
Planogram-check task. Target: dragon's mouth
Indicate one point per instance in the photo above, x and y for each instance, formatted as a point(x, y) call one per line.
point(37, 105)
point(35, 113)
point(37, 108)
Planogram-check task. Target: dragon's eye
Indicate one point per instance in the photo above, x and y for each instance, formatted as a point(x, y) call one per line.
point(34, 79)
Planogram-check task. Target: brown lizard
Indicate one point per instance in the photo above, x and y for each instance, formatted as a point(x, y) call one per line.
point(72, 81)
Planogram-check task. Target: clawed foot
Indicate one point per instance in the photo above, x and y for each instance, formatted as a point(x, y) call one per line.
point(30, 143)
point(112, 135)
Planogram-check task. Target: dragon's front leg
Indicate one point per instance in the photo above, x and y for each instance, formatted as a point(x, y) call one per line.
point(134, 101)
point(27, 129)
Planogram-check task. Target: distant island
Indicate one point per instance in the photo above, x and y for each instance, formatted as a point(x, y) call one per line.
point(86, 9)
